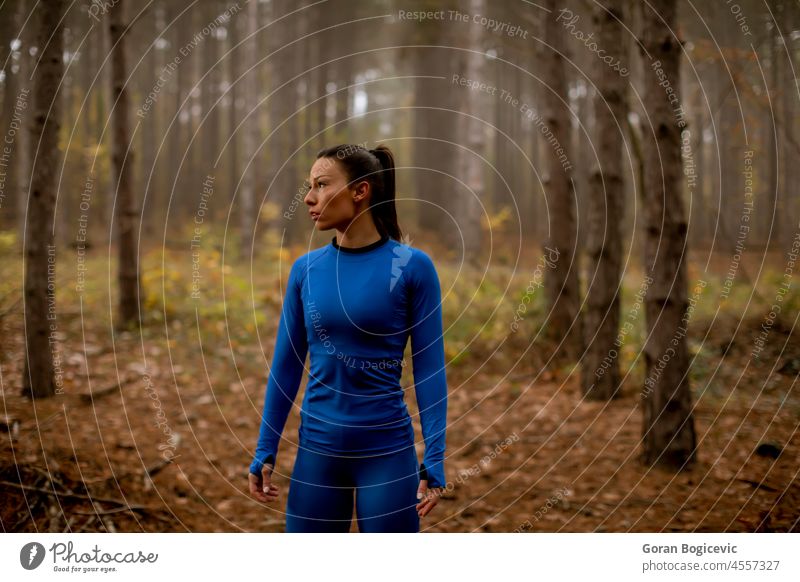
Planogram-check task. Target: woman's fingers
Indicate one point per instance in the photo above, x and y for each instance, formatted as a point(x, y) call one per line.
point(256, 488)
point(430, 497)
point(272, 493)
point(426, 506)
point(423, 487)
point(261, 486)
point(269, 489)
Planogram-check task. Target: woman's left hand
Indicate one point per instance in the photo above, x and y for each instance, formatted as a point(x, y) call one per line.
point(428, 497)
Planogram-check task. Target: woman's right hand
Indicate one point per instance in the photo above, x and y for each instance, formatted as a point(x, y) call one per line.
point(261, 486)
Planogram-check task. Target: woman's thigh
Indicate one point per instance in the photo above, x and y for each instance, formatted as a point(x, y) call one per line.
point(386, 492)
point(320, 494)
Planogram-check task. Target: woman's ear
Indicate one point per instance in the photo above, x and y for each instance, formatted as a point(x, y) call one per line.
point(361, 190)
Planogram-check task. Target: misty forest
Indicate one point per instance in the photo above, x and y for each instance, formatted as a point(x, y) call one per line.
point(610, 191)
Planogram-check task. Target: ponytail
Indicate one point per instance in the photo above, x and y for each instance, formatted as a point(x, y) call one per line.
point(384, 212)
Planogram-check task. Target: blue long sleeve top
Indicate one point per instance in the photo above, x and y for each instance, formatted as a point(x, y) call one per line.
point(352, 310)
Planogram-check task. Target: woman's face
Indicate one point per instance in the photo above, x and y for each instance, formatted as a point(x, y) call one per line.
point(332, 203)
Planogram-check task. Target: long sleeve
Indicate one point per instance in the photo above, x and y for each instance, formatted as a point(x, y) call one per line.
point(286, 371)
point(427, 353)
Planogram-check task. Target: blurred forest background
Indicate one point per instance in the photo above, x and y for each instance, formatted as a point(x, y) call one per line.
point(610, 190)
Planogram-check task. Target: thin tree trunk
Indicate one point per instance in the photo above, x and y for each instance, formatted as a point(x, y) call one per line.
point(433, 152)
point(600, 377)
point(151, 137)
point(668, 429)
point(209, 88)
point(279, 110)
point(122, 161)
point(233, 110)
point(561, 282)
point(321, 107)
point(699, 214)
point(250, 129)
point(468, 206)
point(39, 380)
point(771, 215)
point(15, 110)
point(788, 94)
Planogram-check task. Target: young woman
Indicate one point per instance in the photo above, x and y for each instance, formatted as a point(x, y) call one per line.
point(352, 305)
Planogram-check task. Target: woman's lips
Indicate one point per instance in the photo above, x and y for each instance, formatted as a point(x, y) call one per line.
point(314, 215)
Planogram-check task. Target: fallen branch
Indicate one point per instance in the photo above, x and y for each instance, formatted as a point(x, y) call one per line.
point(116, 510)
point(155, 469)
point(123, 506)
point(759, 485)
point(100, 392)
point(63, 494)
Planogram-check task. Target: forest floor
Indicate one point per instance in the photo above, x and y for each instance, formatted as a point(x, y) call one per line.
point(525, 451)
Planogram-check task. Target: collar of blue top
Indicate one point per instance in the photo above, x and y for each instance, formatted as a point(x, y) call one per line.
point(363, 249)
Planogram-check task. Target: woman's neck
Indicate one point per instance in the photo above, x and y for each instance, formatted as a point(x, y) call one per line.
point(359, 233)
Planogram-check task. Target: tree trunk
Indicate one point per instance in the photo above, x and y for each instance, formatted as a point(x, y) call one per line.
point(151, 138)
point(122, 161)
point(321, 77)
point(247, 218)
point(561, 282)
point(788, 94)
point(39, 380)
point(600, 377)
point(668, 427)
point(283, 182)
point(468, 205)
point(436, 126)
point(210, 89)
point(232, 59)
point(771, 210)
point(15, 110)
point(251, 129)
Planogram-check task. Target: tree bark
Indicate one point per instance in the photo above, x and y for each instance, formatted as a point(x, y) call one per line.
point(467, 207)
point(668, 429)
point(283, 181)
point(561, 282)
point(251, 129)
point(321, 108)
point(122, 161)
point(39, 380)
point(232, 59)
point(16, 105)
point(600, 377)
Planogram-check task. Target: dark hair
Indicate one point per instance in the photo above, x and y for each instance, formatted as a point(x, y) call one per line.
point(376, 167)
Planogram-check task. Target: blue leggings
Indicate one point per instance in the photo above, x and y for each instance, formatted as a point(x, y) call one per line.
point(322, 487)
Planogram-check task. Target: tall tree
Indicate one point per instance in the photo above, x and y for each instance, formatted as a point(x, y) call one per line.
point(38, 379)
point(435, 124)
point(786, 17)
point(280, 104)
point(668, 430)
point(151, 132)
point(251, 133)
point(122, 161)
point(468, 205)
point(15, 105)
point(772, 123)
point(561, 282)
point(320, 44)
point(232, 58)
point(600, 377)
